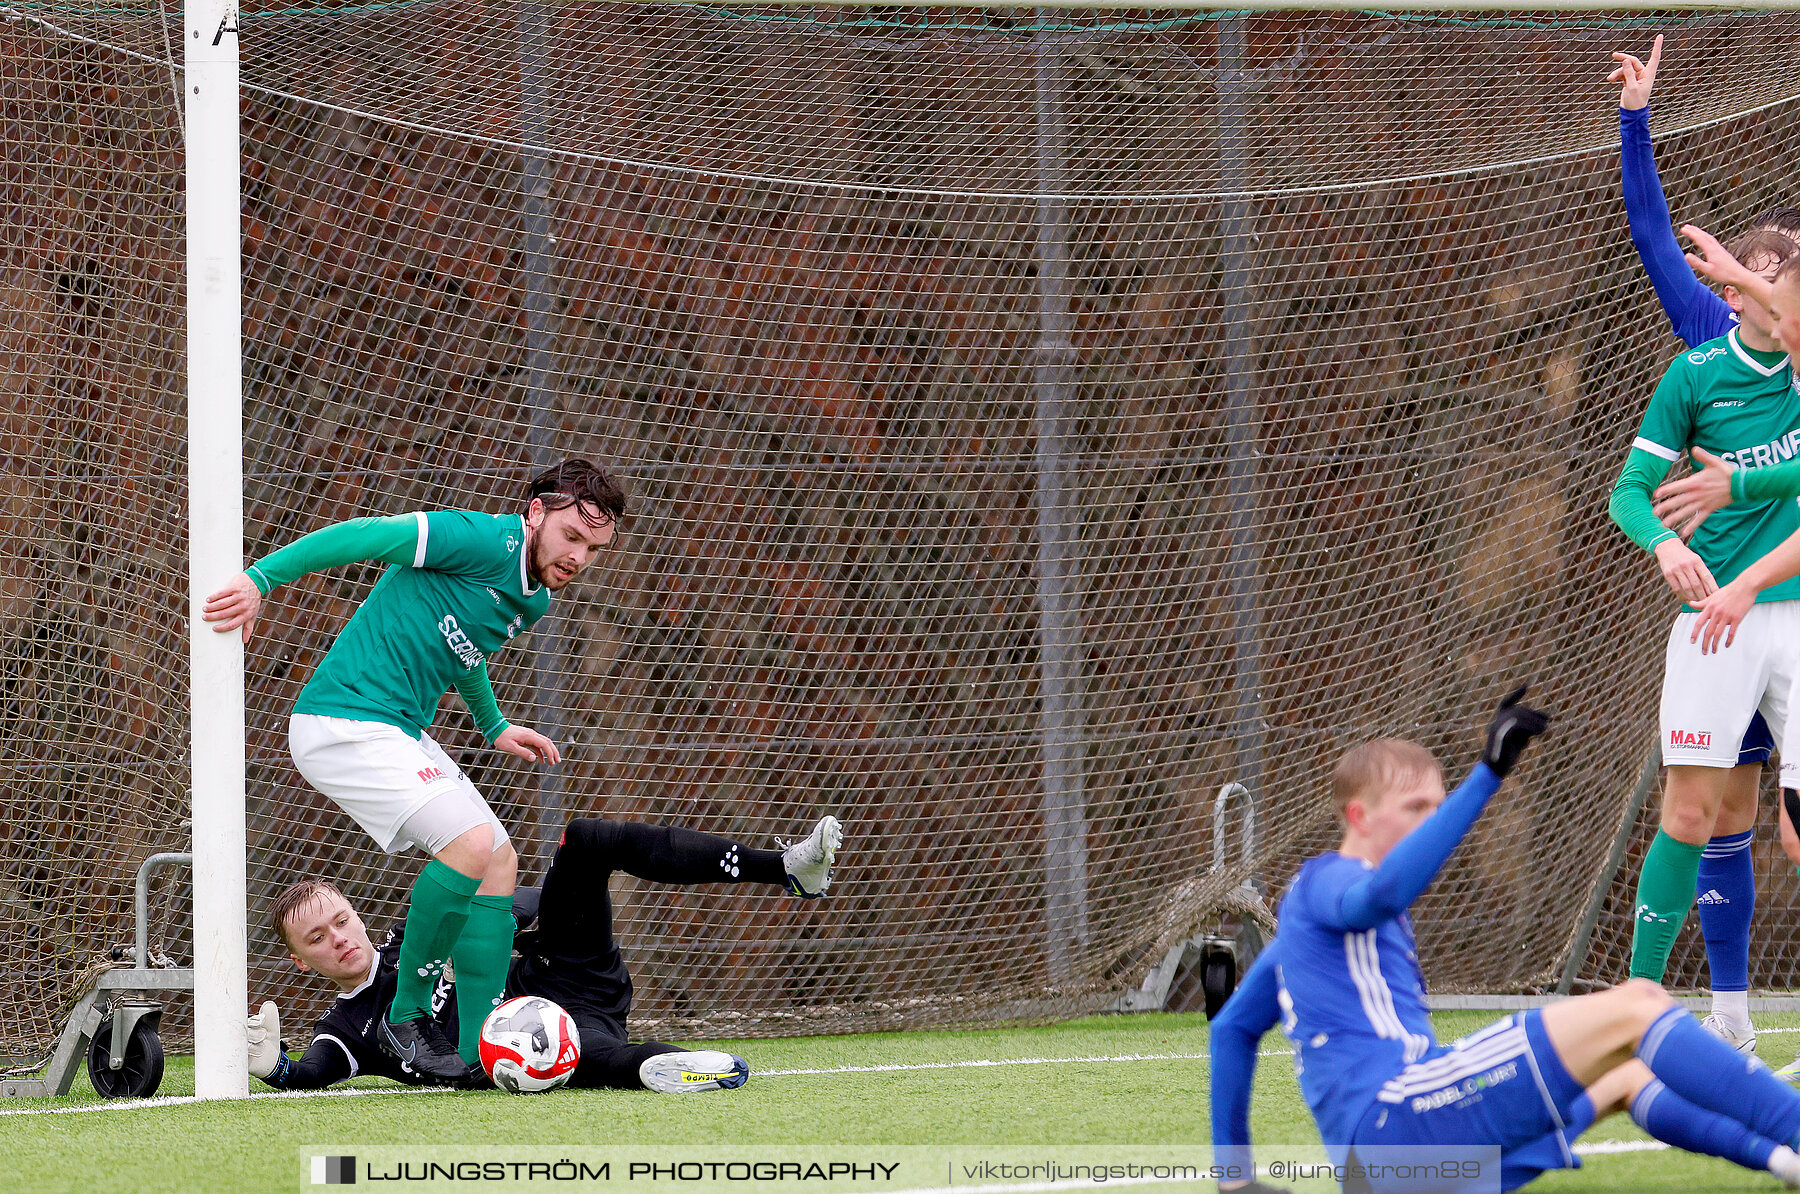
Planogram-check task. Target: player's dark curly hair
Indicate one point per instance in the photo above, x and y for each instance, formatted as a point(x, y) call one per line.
point(1785, 220)
point(583, 484)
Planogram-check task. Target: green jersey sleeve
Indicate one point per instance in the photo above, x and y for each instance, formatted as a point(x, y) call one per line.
point(458, 541)
point(1630, 504)
point(392, 540)
point(1766, 484)
point(1664, 434)
point(477, 692)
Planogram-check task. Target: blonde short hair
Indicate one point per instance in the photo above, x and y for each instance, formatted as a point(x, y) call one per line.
point(294, 899)
point(1378, 767)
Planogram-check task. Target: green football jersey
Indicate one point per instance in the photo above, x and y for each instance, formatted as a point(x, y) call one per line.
point(429, 623)
point(1745, 408)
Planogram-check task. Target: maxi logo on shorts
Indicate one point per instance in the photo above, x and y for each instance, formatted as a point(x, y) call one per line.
point(1690, 740)
point(1467, 1089)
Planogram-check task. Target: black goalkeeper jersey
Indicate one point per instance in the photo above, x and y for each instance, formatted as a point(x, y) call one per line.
point(346, 1040)
point(566, 950)
point(594, 988)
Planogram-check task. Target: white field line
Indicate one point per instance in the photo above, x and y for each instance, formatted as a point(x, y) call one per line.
point(178, 1100)
point(999, 1061)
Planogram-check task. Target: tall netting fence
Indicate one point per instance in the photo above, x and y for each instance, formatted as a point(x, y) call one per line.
point(1033, 422)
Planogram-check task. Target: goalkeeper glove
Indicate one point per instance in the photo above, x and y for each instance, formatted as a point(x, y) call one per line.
point(263, 1031)
point(1513, 727)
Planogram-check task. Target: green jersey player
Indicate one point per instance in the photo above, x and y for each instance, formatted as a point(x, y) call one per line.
point(1735, 396)
point(1723, 481)
point(460, 585)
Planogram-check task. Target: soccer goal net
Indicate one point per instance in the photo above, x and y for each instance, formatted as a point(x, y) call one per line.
point(1034, 421)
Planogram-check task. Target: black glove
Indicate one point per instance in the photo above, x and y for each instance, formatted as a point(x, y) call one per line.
point(1513, 726)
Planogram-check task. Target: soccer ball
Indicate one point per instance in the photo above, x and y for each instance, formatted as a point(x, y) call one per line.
point(529, 1044)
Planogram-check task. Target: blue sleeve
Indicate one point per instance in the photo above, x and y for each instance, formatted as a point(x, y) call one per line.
point(1344, 898)
point(1694, 311)
point(1252, 1010)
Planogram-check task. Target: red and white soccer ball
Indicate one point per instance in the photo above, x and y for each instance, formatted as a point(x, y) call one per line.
point(529, 1044)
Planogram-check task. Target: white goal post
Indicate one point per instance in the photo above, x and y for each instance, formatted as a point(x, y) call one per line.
point(215, 546)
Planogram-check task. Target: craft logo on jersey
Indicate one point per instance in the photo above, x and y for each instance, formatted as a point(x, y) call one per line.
point(459, 642)
point(1690, 740)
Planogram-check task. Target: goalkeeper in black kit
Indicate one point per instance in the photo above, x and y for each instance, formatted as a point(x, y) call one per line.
point(566, 954)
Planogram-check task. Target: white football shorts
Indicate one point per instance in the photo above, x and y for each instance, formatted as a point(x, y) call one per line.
point(403, 791)
point(1708, 700)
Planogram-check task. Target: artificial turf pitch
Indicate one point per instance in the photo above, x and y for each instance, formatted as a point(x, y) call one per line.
point(1131, 1080)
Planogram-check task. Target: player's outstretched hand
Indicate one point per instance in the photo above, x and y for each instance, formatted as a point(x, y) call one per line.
point(235, 605)
point(529, 745)
point(264, 1033)
point(1720, 615)
point(1635, 76)
point(1721, 266)
point(1685, 571)
point(1513, 727)
point(1683, 505)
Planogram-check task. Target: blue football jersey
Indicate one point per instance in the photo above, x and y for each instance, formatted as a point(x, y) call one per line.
point(1352, 1002)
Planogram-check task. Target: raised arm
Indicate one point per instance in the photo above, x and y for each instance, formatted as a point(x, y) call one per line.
point(1381, 894)
point(394, 540)
point(1237, 1030)
point(1695, 313)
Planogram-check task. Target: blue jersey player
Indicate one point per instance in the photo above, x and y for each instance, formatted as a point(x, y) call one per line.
point(1723, 804)
point(1343, 980)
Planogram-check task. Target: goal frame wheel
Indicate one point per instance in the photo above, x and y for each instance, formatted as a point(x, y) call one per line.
point(141, 1071)
point(1218, 977)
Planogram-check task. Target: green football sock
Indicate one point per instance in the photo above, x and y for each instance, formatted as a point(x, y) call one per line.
point(483, 955)
point(434, 920)
point(1665, 893)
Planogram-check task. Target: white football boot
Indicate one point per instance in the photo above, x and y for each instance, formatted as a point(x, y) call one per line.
point(1742, 1038)
point(694, 1070)
point(808, 861)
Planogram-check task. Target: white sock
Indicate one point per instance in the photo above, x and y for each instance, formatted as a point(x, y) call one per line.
point(1783, 1162)
point(1732, 1007)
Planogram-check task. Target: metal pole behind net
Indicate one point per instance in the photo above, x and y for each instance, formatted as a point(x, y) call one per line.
point(1241, 409)
point(540, 309)
point(1064, 813)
